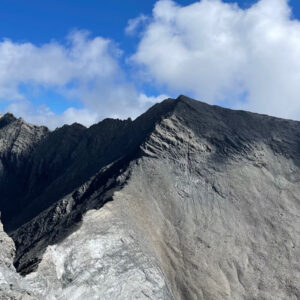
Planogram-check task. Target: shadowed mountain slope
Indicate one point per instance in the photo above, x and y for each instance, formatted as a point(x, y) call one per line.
point(188, 201)
point(43, 166)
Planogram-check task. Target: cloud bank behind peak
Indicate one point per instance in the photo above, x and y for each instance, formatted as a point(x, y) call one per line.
point(211, 50)
point(221, 53)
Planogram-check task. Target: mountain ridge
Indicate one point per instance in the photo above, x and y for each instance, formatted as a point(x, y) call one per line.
point(206, 197)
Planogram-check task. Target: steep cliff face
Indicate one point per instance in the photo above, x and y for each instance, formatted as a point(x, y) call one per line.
point(189, 201)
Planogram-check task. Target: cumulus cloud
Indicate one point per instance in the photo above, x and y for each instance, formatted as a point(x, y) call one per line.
point(211, 50)
point(54, 65)
point(221, 53)
point(84, 69)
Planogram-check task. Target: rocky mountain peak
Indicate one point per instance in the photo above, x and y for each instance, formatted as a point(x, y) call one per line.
point(7, 119)
point(188, 201)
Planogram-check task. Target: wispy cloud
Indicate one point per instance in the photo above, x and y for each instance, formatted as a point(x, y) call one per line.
point(134, 24)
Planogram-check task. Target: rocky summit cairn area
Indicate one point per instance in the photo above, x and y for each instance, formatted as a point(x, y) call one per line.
point(188, 201)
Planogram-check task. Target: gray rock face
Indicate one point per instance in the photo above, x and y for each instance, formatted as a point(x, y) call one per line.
point(189, 201)
point(17, 141)
point(12, 285)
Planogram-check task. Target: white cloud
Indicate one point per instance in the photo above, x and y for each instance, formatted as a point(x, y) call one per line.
point(143, 98)
point(42, 115)
point(54, 65)
point(134, 24)
point(85, 69)
point(210, 50)
point(220, 53)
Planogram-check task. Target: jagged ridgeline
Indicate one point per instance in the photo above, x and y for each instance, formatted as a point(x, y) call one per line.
point(188, 201)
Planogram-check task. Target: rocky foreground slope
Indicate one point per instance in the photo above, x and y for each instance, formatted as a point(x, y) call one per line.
point(189, 201)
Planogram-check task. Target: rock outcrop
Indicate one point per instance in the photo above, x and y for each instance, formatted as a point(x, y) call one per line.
point(12, 285)
point(188, 201)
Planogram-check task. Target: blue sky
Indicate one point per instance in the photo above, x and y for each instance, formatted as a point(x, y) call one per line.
point(128, 63)
point(39, 21)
